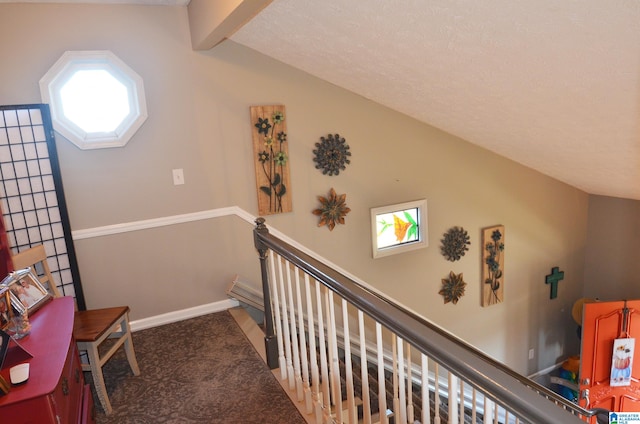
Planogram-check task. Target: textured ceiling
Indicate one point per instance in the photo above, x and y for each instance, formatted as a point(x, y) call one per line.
point(553, 85)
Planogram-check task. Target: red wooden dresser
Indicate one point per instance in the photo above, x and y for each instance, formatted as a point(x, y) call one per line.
point(55, 392)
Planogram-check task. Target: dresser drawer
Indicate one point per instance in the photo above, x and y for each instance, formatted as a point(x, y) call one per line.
point(88, 409)
point(67, 397)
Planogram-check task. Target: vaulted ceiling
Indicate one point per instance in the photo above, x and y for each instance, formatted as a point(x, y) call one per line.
point(553, 85)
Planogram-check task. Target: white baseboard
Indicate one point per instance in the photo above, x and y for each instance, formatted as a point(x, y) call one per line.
point(175, 316)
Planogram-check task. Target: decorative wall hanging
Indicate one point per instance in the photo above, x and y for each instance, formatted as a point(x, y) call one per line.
point(554, 278)
point(271, 157)
point(452, 288)
point(622, 362)
point(399, 228)
point(332, 154)
point(333, 209)
point(493, 265)
point(454, 243)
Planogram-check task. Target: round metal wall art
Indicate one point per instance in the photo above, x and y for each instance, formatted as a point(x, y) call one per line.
point(332, 154)
point(454, 243)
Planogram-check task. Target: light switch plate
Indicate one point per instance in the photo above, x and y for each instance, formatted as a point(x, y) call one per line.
point(178, 177)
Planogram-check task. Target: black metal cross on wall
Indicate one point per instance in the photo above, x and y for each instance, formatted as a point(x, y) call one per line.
point(554, 278)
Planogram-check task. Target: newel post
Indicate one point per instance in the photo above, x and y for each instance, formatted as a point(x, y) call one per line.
point(270, 341)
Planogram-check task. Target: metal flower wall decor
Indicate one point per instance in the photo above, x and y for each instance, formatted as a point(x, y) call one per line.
point(493, 265)
point(332, 210)
point(332, 154)
point(454, 243)
point(271, 157)
point(452, 288)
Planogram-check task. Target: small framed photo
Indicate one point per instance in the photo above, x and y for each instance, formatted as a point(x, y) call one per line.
point(5, 305)
point(27, 293)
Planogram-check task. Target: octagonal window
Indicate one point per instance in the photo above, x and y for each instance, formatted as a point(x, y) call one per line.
point(96, 100)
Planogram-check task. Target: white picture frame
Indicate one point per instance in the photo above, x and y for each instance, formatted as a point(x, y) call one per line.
point(399, 228)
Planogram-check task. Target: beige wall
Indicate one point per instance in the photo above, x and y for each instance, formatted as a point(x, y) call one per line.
point(612, 268)
point(199, 120)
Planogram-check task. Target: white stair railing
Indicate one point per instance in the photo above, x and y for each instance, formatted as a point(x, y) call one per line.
point(426, 374)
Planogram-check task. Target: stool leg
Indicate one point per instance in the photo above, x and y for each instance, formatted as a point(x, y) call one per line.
point(128, 348)
point(98, 379)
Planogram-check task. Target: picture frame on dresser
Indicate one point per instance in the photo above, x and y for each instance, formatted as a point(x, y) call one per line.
point(4, 346)
point(5, 312)
point(26, 291)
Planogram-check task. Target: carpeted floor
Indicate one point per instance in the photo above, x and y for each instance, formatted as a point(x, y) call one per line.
point(201, 370)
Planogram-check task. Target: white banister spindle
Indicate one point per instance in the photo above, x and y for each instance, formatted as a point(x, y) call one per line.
point(334, 363)
point(285, 323)
point(314, 392)
point(364, 371)
point(453, 398)
point(382, 391)
point(496, 413)
point(436, 392)
point(303, 389)
point(324, 368)
point(402, 375)
point(348, 366)
point(488, 410)
point(426, 407)
point(275, 284)
point(461, 415)
point(410, 414)
point(474, 412)
point(295, 380)
point(394, 377)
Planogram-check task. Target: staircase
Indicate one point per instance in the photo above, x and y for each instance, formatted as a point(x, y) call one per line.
point(322, 327)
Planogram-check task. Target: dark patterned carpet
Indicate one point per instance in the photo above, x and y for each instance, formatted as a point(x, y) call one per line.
point(201, 370)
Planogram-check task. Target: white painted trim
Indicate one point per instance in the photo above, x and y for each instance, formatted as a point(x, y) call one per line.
point(209, 214)
point(126, 227)
point(175, 316)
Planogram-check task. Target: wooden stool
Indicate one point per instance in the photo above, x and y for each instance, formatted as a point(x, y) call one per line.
point(93, 327)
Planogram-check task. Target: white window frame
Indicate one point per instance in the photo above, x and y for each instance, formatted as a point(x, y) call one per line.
point(422, 241)
point(60, 73)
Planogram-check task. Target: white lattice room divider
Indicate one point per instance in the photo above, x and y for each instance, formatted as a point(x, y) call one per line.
point(31, 193)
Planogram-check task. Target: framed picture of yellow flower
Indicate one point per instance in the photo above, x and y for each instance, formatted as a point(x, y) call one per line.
point(271, 158)
point(399, 228)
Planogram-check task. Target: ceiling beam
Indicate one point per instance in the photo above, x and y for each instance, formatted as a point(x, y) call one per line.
point(211, 22)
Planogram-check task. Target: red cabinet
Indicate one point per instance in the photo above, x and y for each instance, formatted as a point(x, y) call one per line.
point(55, 392)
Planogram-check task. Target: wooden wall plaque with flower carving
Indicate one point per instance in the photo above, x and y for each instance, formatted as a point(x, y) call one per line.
point(271, 158)
point(492, 265)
